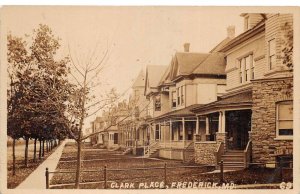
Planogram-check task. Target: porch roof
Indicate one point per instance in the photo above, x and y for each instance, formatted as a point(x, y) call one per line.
point(235, 101)
point(184, 112)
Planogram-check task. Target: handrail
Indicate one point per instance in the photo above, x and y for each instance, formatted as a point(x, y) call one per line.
point(219, 152)
point(148, 148)
point(247, 154)
point(191, 144)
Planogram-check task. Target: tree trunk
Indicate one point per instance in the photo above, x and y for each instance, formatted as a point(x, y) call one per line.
point(14, 156)
point(78, 165)
point(40, 150)
point(26, 152)
point(43, 148)
point(47, 149)
point(34, 151)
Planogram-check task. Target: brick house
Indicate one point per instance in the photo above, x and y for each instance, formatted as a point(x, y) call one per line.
point(254, 119)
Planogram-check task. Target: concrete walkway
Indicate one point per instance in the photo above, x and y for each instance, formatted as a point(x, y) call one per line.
point(37, 179)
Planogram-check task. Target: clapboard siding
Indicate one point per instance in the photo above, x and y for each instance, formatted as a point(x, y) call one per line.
point(273, 30)
point(254, 46)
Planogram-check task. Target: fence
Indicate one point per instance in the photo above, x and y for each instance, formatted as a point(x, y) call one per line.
point(165, 168)
point(105, 170)
point(280, 166)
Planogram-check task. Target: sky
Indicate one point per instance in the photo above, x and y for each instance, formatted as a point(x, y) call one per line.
point(136, 36)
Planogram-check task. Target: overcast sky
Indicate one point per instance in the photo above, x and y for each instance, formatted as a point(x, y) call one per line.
point(138, 36)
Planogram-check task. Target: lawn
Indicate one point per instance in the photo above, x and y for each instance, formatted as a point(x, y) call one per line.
point(96, 159)
point(22, 172)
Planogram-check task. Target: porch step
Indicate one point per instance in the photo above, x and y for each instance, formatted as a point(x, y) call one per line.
point(233, 160)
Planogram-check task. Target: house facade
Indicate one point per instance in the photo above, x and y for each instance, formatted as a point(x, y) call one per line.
point(255, 116)
point(191, 79)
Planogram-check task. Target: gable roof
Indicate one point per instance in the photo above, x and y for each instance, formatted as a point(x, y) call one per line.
point(165, 79)
point(140, 80)
point(183, 63)
point(154, 74)
point(214, 64)
point(220, 45)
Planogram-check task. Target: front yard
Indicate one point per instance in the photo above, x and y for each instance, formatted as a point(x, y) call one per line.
point(96, 159)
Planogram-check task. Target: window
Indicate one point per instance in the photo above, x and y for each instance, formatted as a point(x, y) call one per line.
point(178, 97)
point(284, 119)
point(272, 51)
point(246, 67)
point(182, 94)
point(156, 132)
point(157, 102)
point(173, 99)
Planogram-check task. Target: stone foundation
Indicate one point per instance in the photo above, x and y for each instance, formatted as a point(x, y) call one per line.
point(266, 93)
point(171, 153)
point(205, 152)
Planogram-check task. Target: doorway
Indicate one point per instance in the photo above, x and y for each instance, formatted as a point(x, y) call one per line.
point(238, 125)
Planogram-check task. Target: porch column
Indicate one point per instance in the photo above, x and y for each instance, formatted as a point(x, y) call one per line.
point(164, 133)
point(221, 121)
point(159, 132)
point(183, 130)
point(197, 126)
point(171, 131)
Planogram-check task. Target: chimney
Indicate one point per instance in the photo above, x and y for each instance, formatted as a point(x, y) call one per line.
point(231, 31)
point(186, 47)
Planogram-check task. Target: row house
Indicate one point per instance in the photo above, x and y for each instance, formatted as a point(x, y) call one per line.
point(133, 130)
point(190, 80)
point(108, 126)
point(254, 119)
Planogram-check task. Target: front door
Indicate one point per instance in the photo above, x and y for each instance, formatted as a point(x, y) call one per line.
point(238, 125)
point(115, 138)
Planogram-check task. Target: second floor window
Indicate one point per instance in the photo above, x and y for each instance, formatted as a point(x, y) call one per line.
point(180, 95)
point(272, 52)
point(246, 67)
point(173, 99)
point(157, 103)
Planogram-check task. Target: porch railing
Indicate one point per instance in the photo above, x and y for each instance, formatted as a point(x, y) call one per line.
point(247, 154)
point(147, 149)
point(219, 152)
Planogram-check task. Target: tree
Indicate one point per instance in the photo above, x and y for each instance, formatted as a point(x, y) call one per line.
point(287, 51)
point(40, 88)
point(84, 104)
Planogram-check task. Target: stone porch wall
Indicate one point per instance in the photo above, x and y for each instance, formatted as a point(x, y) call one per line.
point(205, 152)
point(175, 154)
point(266, 93)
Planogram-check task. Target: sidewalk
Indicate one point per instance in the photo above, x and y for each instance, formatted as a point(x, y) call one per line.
point(37, 180)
